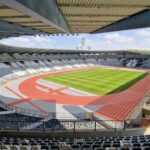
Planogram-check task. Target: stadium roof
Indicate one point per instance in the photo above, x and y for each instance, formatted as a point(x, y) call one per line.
point(32, 17)
point(140, 51)
point(21, 50)
point(14, 49)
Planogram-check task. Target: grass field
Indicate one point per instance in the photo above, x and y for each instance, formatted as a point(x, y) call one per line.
point(99, 81)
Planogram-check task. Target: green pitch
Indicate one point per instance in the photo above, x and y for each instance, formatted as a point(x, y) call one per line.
point(98, 81)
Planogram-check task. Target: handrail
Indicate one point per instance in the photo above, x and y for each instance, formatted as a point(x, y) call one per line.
point(54, 125)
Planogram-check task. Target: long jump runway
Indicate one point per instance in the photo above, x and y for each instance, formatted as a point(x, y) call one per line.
point(37, 94)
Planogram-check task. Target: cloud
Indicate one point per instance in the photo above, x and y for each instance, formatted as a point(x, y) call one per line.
point(144, 33)
point(109, 41)
point(100, 44)
point(18, 41)
point(29, 41)
point(133, 39)
point(116, 37)
point(144, 44)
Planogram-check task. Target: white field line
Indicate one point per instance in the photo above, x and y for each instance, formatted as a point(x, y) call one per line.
point(69, 90)
point(42, 89)
point(49, 84)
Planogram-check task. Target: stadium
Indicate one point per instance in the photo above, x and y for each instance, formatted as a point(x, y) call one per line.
point(73, 99)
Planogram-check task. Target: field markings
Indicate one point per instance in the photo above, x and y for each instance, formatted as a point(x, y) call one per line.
point(97, 81)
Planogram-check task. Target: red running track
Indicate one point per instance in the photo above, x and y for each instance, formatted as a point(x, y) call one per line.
point(114, 106)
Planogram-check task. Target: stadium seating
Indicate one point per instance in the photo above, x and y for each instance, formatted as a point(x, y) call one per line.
point(131, 63)
point(146, 63)
point(12, 70)
point(95, 143)
point(12, 120)
point(16, 65)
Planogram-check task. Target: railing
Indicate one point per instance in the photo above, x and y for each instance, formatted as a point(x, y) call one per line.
point(73, 125)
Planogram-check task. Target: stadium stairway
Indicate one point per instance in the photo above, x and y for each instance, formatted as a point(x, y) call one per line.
point(36, 124)
point(7, 112)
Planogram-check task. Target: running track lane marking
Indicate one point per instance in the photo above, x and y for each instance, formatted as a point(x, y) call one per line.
point(58, 91)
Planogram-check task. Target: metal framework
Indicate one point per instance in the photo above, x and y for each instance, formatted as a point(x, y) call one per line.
point(74, 16)
point(136, 21)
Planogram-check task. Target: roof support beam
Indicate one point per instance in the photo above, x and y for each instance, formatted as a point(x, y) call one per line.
point(139, 20)
point(8, 29)
point(45, 11)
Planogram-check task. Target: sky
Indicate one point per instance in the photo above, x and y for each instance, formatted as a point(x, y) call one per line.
point(130, 39)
